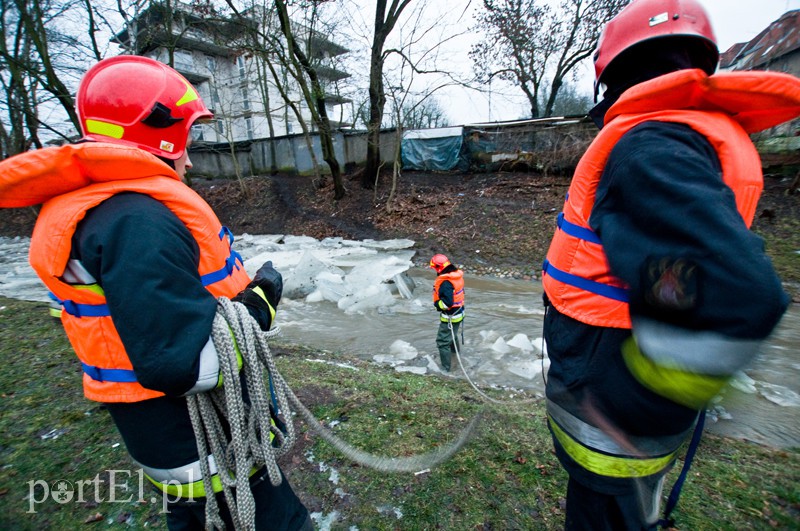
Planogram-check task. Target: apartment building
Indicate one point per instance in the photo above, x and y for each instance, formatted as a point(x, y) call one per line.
point(229, 60)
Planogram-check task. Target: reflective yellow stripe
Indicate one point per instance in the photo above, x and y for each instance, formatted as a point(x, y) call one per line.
point(55, 312)
point(94, 288)
point(260, 292)
point(189, 96)
point(608, 465)
point(187, 490)
point(686, 388)
point(191, 490)
point(104, 128)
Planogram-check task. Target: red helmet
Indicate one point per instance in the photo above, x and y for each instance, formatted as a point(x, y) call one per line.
point(439, 262)
point(140, 102)
point(642, 20)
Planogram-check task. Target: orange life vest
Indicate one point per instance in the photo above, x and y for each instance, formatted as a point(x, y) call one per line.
point(456, 278)
point(724, 108)
point(81, 177)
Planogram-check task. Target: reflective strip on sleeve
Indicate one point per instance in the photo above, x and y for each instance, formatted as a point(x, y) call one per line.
point(697, 351)
point(260, 292)
point(689, 389)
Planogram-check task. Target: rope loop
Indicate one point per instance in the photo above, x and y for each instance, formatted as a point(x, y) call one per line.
point(255, 440)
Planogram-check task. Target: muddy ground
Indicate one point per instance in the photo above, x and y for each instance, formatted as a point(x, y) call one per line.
point(495, 223)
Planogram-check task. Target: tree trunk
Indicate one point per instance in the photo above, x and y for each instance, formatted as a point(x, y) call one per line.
point(377, 100)
point(321, 116)
point(384, 23)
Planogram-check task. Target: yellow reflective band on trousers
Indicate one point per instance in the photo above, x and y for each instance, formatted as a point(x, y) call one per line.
point(608, 465)
point(195, 489)
point(689, 389)
point(452, 318)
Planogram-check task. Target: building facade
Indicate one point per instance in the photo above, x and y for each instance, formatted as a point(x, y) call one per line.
point(234, 62)
point(776, 48)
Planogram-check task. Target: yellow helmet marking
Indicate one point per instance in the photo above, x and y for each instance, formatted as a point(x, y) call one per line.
point(189, 96)
point(104, 128)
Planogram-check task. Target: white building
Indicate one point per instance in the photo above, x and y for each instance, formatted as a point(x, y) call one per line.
point(218, 55)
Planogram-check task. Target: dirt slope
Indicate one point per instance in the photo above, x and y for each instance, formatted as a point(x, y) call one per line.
point(496, 223)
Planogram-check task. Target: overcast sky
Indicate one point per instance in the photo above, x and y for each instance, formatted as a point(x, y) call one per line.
point(733, 21)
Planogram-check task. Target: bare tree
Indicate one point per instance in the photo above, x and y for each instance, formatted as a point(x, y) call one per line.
point(275, 68)
point(46, 47)
point(385, 21)
point(422, 113)
point(314, 95)
point(536, 45)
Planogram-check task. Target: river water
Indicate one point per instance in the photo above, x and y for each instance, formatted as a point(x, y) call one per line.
point(502, 330)
point(763, 405)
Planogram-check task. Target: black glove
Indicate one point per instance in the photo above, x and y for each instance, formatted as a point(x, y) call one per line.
point(271, 282)
point(262, 295)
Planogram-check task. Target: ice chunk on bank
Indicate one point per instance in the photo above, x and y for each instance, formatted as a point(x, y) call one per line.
point(527, 369)
point(403, 350)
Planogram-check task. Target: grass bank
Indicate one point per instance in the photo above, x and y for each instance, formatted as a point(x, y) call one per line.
point(53, 441)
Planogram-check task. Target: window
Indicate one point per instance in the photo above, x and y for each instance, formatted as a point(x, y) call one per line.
point(183, 60)
point(241, 65)
point(248, 122)
point(197, 132)
point(245, 99)
point(211, 64)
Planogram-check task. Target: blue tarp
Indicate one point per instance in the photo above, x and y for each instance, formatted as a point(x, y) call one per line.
point(433, 149)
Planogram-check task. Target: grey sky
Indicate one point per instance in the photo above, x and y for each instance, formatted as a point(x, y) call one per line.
point(733, 21)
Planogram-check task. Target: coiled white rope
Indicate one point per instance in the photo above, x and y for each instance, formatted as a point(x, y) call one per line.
point(248, 447)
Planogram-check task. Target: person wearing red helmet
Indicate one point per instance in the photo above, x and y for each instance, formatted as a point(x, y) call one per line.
point(656, 292)
point(448, 299)
point(136, 260)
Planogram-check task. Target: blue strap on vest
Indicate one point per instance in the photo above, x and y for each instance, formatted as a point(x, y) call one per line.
point(577, 231)
point(598, 288)
point(82, 310)
point(230, 262)
point(109, 375)
point(675, 493)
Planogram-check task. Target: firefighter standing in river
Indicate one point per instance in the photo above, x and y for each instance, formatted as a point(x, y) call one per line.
point(448, 299)
point(656, 291)
point(136, 260)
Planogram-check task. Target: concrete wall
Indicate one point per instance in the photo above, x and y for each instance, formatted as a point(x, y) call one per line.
point(290, 153)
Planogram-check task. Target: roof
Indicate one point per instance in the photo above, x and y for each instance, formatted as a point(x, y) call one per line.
point(777, 40)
